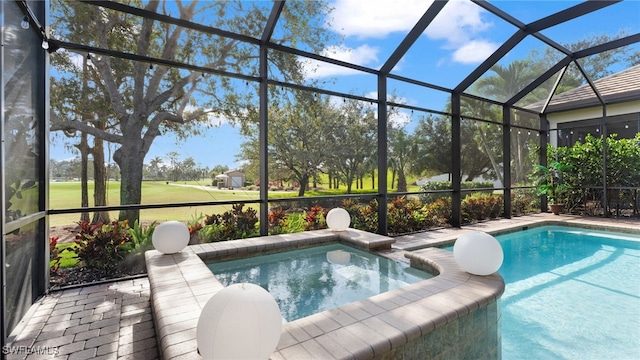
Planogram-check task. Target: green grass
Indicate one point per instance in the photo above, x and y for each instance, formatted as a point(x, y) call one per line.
point(67, 195)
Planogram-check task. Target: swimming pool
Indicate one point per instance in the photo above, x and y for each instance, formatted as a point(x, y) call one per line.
point(570, 293)
point(311, 280)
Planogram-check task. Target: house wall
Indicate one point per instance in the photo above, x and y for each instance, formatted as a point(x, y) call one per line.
point(630, 107)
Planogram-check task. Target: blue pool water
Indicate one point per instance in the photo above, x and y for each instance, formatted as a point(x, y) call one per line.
point(570, 294)
point(316, 279)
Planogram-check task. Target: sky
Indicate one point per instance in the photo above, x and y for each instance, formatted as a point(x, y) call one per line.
point(459, 39)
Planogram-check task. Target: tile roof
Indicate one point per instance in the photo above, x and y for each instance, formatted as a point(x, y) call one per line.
point(619, 87)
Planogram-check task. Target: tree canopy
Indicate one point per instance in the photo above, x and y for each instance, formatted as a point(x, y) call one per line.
point(149, 99)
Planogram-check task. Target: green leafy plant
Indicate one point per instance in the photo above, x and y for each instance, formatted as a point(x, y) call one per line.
point(194, 227)
point(141, 236)
point(316, 218)
point(295, 222)
point(141, 241)
point(54, 255)
point(404, 215)
point(524, 201)
point(102, 246)
point(276, 220)
point(480, 206)
point(549, 180)
point(367, 218)
point(234, 224)
point(437, 213)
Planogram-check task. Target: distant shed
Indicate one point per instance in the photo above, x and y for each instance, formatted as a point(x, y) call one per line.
point(230, 179)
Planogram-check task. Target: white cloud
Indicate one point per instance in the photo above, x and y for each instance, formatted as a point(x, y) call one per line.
point(459, 22)
point(364, 55)
point(474, 52)
point(76, 59)
point(459, 25)
point(399, 119)
point(213, 118)
point(376, 18)
point(216, 119)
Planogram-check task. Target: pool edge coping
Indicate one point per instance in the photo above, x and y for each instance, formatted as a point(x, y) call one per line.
point(565, 220)
point(362, 329)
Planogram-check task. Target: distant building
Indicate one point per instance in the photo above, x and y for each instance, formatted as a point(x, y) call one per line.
point(230, 179)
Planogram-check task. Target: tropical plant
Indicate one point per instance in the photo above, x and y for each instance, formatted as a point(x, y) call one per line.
point(54, 255)
point(102, 246)
point(549, 181)
point(141, 236)
point(316, 218)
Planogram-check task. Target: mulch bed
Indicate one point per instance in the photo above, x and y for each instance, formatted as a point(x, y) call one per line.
point(78, 275)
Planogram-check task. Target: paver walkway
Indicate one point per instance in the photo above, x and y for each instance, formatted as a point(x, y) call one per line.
point(107, 321)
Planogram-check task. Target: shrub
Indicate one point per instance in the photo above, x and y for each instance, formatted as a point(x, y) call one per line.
point(353, 208)
point(141, 236)
point(276, 221)
point(524, 201)
point(234, 224)
point(141, 241)
point(295, 222)
point(480, 206)
point(622, 169)
point(446, 185)
point(437, 213)
point(54, 255)
point(404, 216)
point(368, 217)
point(102, 246)
point(316, 218)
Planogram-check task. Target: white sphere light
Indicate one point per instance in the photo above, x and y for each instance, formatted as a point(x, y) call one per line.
point(338, 219)
point(170, 237)
point(242, 321)
point(478, 253)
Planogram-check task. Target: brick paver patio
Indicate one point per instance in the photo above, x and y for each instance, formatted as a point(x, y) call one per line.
point(107, 321)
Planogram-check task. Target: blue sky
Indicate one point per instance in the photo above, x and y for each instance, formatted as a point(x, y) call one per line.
point(458, 40)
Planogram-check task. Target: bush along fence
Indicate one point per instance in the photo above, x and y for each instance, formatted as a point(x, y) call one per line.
point(115, 250)
point(584, 180)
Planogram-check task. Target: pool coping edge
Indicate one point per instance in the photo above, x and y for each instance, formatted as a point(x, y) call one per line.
point(181, 284)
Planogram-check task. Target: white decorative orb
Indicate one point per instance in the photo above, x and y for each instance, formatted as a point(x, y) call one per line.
point(338, 219)
point(339, 257)
point(478, 253)
point(170, 237)
point(242, 321)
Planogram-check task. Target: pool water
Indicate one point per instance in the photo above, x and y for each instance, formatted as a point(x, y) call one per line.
point(308, 281)
point(570, 294)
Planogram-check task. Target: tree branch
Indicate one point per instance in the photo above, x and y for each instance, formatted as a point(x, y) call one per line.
point(69, 125)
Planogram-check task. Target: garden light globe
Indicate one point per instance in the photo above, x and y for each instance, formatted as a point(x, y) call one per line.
point(478, 253)
point(242, 321)
point(338, 219)
point(170, 237)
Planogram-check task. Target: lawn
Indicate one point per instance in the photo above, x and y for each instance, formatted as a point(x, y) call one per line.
point(67, 195)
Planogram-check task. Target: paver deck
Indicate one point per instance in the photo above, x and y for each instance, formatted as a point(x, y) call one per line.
point(107, 321)
point(114, 321)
